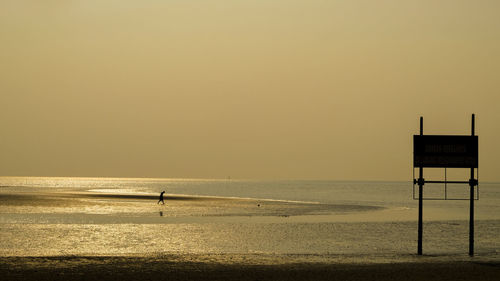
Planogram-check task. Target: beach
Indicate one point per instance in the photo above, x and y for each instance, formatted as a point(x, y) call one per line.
point(224, 268)
point(110, 229)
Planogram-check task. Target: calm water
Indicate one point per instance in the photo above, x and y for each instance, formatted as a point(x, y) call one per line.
point(355, 220)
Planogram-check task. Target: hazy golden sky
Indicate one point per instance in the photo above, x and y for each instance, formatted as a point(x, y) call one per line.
point(243, 88)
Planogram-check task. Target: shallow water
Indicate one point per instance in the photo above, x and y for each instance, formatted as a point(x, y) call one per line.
point(367, 220)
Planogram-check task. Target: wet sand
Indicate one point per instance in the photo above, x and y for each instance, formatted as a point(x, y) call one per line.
point(241, 267)
point(176, 205)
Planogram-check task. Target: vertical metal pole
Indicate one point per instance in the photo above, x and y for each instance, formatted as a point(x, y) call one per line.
point(471, 219)
point(420, 195)
point(445, 185)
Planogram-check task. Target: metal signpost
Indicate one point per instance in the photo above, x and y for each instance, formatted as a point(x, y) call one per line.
point(445, 151)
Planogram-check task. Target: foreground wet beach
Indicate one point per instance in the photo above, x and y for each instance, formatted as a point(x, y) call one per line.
point(239, 268)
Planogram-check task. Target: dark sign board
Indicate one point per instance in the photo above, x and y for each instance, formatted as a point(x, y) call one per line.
point(445, 151)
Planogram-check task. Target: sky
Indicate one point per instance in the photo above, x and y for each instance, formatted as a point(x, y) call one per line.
point(261, 89)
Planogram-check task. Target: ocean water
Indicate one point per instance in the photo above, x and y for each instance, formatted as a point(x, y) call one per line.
point(346, 221)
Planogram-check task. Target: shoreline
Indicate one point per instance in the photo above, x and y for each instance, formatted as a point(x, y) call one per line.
point(238, 267)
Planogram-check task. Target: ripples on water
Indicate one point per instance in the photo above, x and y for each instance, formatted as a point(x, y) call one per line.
point(43, 217)
point(371, 239)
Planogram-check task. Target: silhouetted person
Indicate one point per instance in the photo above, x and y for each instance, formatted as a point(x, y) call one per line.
point(161, 198)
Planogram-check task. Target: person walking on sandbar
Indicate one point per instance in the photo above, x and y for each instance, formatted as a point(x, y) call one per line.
point(161, 198)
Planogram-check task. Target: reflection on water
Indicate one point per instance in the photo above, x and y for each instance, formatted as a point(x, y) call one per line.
point(40, 217)
point(373, 239)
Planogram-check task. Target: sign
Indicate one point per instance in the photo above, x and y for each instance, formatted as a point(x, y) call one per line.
point(440, 151)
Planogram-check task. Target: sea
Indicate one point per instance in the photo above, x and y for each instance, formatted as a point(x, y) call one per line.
point(343, 221)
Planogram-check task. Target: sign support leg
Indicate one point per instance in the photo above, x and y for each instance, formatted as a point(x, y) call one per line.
point(420, 196)
point(420, 211)
point(471, 219)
